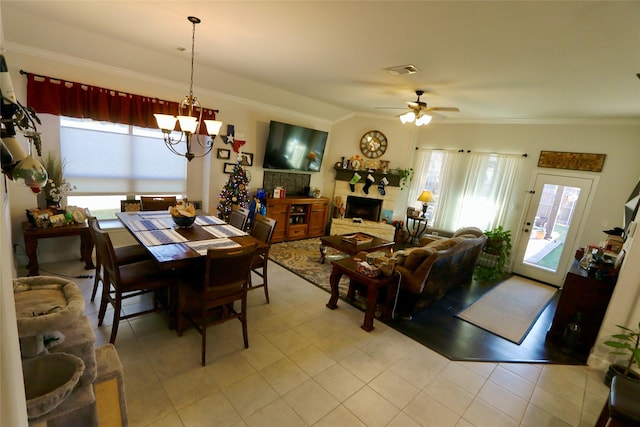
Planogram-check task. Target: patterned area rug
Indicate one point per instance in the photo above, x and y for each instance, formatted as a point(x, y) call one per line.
point(302, 257)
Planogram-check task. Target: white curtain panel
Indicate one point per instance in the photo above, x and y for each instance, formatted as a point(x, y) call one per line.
point(474, 188)
point(487, 190)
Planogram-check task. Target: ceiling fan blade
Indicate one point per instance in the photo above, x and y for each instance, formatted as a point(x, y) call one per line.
point(451, 109)
point(389, 108)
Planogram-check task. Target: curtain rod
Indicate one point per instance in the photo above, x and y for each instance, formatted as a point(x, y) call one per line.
point(468, 151)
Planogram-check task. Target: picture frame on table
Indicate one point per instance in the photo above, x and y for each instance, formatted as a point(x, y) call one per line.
point(223, 153)
point(40, 217)
point(246, 159)
point(228, 168)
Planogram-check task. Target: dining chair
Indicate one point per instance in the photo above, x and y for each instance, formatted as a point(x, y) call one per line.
point(125, 281)
point(207, 297)
point(124, 254)
point(157, 203)
point(239, 217)
point(263, 231)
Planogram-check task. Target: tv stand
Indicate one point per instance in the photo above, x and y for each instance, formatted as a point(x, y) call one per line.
point(298, 217)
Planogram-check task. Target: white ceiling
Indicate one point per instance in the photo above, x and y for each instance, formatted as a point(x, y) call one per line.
point(494, 60)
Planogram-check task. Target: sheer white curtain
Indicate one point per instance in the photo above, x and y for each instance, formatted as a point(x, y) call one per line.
point(423, 158)
point(486, 192)
point(435, 171)
point(470, 189)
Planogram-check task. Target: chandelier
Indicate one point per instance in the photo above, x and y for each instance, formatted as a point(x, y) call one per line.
point(189, 122)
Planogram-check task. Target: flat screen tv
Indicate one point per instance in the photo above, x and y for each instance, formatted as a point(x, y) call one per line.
point(291, 147)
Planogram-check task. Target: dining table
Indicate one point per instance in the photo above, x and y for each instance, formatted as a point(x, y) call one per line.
point(176, 248)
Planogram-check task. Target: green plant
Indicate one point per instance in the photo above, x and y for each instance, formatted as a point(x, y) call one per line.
point(626, 345)
point(499, 246)
point(406, 175)
point(57, 186)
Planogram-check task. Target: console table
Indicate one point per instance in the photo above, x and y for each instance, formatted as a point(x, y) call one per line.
point(581, 294)
point(33, 234)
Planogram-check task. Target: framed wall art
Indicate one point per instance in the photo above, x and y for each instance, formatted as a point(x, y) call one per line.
point(228, 168)
point(589, 162)
point(224, 154)
point(246, 159)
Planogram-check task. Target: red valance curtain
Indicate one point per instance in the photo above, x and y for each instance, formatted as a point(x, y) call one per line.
point(71, 99)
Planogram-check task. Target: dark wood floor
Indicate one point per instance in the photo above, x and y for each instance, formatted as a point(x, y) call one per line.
point(437, 327)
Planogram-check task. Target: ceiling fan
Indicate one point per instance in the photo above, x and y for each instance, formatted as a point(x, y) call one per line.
point(420, 112)
point(421, 106)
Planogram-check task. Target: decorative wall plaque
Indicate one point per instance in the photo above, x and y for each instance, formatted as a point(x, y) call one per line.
point(573, 161)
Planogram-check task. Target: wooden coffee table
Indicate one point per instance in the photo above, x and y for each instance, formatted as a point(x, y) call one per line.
point(336, 242)
point(374, 286)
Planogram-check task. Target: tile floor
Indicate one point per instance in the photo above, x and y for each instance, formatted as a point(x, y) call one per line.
point(311, 366)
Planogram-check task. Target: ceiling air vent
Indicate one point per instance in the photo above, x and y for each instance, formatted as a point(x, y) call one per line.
point(402, 69)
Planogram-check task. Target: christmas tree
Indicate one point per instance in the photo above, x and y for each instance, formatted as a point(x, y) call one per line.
point(235, 192)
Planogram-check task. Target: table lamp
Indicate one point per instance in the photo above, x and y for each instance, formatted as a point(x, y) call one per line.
point(425, 197)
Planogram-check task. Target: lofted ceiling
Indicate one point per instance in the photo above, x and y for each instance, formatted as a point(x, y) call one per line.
point(511, 61)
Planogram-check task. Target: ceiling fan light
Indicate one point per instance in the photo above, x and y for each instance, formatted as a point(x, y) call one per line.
point(408, 117)
point(425, 119)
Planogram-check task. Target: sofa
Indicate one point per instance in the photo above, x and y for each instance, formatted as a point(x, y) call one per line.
point(428, 271)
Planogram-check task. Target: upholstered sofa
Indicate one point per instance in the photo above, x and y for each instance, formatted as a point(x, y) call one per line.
point(430, 270)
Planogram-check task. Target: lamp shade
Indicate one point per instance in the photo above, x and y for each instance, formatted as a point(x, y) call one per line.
point(213, 126)
point(166, 122)
point(188, 124)
point(425, 197)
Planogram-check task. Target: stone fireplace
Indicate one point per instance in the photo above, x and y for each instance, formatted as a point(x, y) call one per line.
point(372, 207)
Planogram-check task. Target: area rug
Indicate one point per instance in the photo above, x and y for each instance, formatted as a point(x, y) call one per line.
point(510, 309)
point(302, 257)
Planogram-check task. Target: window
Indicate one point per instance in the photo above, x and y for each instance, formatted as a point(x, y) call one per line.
point(469, 189)
point(108, 162)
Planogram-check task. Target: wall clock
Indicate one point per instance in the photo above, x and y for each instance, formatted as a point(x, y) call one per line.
point(373, 144)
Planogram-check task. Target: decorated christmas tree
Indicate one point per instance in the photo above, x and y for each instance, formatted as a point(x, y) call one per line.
point(235, 192)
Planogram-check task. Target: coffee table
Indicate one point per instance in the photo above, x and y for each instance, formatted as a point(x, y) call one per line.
point(374, 285)
point(336, 242)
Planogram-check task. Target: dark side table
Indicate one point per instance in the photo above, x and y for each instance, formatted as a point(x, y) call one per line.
point(416, 226)
point(32, 234)
point(374, 285)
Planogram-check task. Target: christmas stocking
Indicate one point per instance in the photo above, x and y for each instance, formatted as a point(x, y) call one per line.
point(383, 182)
point(367, 185)
point(354, 180)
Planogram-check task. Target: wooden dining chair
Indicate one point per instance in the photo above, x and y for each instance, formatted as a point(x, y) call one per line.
point(239, 217)
point(263, 231)
point(126, 281)
point(124, 254)
point(209, 299)
point(157, 203)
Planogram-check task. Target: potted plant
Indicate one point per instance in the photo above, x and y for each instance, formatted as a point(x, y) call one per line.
point(497, 249)
point(626, 344)
point(406, 175)
point(57, 187)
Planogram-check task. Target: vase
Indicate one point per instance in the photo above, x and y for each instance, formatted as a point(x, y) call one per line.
point(53, 205)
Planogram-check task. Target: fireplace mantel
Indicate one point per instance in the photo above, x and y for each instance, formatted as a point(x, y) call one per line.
point(347, 174)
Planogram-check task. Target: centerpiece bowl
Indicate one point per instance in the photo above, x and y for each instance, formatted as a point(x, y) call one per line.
point(183, 221)
point(184, 215)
